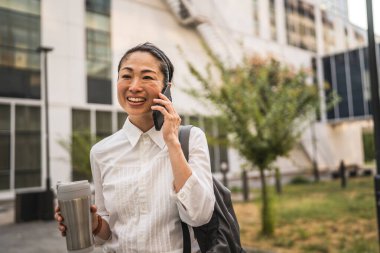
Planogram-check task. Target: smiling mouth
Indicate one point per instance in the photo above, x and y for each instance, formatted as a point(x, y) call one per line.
point(136, 100)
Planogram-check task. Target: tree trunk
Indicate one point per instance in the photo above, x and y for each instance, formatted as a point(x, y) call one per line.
point(267, 217)
point(315, 162)
point(277, 177)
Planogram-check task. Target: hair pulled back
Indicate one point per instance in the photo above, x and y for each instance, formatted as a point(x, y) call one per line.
point(166, 65)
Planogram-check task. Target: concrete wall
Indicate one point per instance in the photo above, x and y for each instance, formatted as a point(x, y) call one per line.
point(63, 28)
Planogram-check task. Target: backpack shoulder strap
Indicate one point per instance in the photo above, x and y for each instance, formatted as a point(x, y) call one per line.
point(184, 137)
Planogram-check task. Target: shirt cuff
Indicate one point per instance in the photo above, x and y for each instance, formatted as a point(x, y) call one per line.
point(99, 241)
point(184, 193)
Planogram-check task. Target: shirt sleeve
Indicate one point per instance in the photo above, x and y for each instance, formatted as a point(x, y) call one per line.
point(99, 198)
point(196, 200)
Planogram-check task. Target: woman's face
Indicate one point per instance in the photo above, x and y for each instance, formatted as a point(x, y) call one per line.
point(140, 81)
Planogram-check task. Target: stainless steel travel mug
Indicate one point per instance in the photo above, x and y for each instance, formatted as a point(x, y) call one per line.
point(74, 200)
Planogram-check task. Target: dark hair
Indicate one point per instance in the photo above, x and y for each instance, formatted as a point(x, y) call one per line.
point(166, 65)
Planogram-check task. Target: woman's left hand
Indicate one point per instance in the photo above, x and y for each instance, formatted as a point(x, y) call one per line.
point(172, 120)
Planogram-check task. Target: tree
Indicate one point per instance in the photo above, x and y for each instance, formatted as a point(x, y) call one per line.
point(79, 148)
point(265, 106)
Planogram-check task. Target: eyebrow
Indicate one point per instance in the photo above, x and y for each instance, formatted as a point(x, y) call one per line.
point(142, 71)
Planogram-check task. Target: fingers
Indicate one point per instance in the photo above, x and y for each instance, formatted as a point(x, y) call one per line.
point(165, 102)
point(93, 209)
point(161, 109)
point(166, 108)
point(62, 229)
point(57, 216)
point(61, 226)
point(163, 97)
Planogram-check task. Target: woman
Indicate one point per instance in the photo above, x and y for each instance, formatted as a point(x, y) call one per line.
point(143, 184)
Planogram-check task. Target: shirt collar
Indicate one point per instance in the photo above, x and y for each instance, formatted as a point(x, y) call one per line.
point(157, 137)
point(133, 134)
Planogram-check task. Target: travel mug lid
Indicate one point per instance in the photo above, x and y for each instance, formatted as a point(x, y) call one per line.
point(70, 190)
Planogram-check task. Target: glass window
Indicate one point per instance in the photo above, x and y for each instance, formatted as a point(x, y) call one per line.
point(99, 91)
point(356, 83)
point(98, 6)
point(121, 117)
point(19, 62)
point(367, 85)
point(33, 63)
point(328, 84)
point(26, 6)
point(98, 45)
point(81, 120)
point(98, 52)
point(103, 124)
point(19, 83)
point(300, 24)
point(81, 143)
point(328, 31)
point(97, 22)
point(272, 14)
point(5, 118)
point(341, 85)
point(99, 69)
point(256, 17)
point(19, 30)
point(5, 146)
point(28, 146)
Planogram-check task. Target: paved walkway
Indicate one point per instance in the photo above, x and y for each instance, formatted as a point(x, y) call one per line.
point(32, 237)
point(29, 237)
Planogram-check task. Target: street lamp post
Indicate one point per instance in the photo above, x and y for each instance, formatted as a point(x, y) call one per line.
point(46, 209)
point(374, 78)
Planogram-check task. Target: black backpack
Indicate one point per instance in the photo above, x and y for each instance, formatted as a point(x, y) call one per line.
point(221, 234)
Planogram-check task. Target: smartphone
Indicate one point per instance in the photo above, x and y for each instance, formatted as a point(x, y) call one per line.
point(158, 118)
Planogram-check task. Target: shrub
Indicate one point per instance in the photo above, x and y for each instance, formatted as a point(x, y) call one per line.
point(299, 180)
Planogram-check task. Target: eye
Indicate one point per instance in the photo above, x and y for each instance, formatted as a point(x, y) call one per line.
point(125, 76)
point(147, 78)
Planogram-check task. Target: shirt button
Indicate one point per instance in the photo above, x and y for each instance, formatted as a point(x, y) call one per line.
point(182, 195)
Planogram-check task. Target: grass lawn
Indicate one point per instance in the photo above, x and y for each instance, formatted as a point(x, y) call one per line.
point(312, 217)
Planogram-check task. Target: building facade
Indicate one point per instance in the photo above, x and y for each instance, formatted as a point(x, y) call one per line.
point(90, 36)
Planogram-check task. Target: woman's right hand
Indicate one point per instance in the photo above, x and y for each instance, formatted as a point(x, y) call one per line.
point(61, 227)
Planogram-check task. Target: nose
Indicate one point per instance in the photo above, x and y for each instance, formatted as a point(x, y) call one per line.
point(135, 86)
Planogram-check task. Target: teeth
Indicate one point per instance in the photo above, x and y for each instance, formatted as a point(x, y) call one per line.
point(136, 99)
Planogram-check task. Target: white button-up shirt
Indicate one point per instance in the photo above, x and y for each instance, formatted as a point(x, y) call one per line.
point(134, 190)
